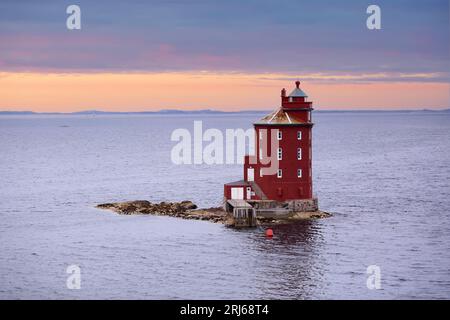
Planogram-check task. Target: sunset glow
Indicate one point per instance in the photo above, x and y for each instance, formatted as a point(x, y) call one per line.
point(153, 91)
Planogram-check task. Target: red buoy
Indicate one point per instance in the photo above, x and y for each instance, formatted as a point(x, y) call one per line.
point(269, 233)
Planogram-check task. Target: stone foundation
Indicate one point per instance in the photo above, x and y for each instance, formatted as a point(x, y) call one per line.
point(304, 205)
point(300, 205)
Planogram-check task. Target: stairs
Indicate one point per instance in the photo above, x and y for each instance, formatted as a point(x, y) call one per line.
point(257, 190)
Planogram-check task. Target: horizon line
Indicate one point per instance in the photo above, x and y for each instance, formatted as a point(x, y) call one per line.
point(174, 111)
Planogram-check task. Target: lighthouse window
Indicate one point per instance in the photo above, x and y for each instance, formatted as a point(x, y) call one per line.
point(280, 173)
point(299, 154)
point(299, 135)
point(280, 135)
point(280, 154)
point(299, 173)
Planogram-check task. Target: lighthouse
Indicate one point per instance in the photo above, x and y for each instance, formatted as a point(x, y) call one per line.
point(279, 174)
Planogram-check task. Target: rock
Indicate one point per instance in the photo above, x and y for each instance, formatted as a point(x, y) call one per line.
point(178, 209)
point(105, 205)
point(188, 210)
point(140, 203)
point(188, 205)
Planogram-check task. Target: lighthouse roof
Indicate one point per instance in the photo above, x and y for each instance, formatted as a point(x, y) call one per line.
point(280, 116)
point(297, 92)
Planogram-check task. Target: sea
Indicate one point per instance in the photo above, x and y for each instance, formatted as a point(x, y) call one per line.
point(384, 176)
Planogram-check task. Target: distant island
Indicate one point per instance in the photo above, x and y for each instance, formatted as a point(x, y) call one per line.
point(200, 111)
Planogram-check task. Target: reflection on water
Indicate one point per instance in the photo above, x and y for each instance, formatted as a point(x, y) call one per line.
point(287, 262)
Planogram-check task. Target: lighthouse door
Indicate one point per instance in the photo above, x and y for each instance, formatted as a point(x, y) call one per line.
point(250, 174)
point(237, 193)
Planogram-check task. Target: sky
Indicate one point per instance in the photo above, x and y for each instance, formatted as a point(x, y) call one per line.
point(225, 55)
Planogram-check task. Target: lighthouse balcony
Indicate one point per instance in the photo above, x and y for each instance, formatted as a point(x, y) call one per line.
point(298, 106)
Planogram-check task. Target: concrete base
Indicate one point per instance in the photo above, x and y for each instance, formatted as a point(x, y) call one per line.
point(304, 205)
point(299, 205)
point(277, 209)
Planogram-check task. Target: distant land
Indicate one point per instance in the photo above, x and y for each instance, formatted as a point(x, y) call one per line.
point(200, 111)
point(99, 112)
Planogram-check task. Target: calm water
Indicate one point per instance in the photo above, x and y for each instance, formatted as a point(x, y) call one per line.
point(385, 176)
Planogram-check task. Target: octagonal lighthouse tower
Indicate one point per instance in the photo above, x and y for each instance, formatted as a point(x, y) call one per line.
point(281, 171)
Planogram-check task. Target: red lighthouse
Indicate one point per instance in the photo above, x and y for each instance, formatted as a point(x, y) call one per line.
point(280, 171)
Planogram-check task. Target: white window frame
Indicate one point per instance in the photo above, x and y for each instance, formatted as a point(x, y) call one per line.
point(279, 135)
point(237, 193)
point(261, 172)
point(280, 154)
point(299, 135)
point(250, 174)
point(299, 153)
point(299, 173)
point(279, 173)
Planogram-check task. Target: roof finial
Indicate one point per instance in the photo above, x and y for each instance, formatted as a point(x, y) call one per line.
point(297, 83)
